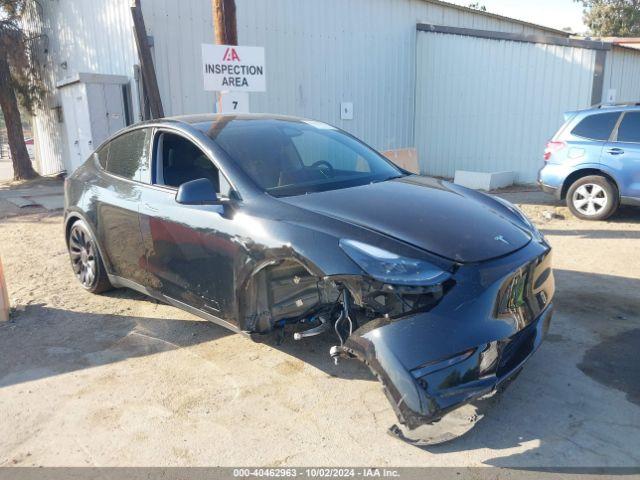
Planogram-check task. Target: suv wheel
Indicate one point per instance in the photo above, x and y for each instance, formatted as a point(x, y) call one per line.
point(592, 198)
point(85, 259)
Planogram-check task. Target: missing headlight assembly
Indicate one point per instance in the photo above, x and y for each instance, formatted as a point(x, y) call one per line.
point(287, 293)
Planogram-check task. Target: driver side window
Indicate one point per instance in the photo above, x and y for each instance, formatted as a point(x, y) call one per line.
point(178, 160)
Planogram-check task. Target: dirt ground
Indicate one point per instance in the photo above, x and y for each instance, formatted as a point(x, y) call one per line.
point(119, 379)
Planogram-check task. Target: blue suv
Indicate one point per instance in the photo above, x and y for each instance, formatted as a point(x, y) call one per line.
point(594, 160)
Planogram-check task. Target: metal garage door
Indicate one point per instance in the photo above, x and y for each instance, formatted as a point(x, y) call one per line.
point(489, 101)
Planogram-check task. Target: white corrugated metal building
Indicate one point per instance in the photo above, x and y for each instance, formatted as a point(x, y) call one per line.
point(470, 90)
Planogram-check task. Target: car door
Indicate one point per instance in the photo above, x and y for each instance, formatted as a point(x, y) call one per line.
point(622, 154)
point(588, 138)
point(190, 252)
point(124, 163)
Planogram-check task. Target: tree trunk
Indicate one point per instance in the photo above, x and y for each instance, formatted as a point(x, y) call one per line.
point(22, 168)
point(224, 22)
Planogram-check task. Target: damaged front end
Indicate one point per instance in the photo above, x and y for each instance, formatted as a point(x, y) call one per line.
point(441, 341)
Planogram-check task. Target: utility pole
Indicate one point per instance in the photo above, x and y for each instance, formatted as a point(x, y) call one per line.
point(149, 78)
point(226, 33)
point(224, 22)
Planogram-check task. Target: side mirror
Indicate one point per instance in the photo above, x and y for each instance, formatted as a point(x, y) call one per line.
point(198, 192)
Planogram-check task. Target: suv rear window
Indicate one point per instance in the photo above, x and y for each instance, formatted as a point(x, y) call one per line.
point(597, 127)
point(629, 130)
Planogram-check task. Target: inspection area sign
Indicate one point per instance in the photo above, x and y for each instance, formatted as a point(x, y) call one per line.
point(232, 68)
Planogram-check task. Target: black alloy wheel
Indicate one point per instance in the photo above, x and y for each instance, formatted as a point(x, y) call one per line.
point(85, 259)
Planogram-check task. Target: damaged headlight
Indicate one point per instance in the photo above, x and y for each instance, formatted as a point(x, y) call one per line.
point(391, 268)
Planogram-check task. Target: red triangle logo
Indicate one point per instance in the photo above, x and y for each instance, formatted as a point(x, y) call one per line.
point(230, 55)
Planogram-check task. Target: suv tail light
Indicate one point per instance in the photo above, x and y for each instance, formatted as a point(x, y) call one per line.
point(553, 147)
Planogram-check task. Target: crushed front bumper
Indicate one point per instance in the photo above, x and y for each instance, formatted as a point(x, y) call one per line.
point(465, 349)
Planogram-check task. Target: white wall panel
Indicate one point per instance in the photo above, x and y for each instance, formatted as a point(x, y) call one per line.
point(79, 36)
point(178, 29)
point(320, 53)
point(491, 105)
point(622, 73)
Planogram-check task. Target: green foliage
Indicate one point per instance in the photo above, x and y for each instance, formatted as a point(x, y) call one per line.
point(612, 18)
point(26, 79)
point(478, 6)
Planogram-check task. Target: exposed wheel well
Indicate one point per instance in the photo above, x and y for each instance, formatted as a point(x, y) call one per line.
point(584, 173)
point(67, 228)
point(281, 288)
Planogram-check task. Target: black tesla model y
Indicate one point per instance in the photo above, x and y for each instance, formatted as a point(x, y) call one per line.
point(274, 225)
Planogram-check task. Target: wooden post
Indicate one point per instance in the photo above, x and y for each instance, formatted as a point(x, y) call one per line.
point(149, 78)
point(4, 297)
point(225, 29)
point(224, 22)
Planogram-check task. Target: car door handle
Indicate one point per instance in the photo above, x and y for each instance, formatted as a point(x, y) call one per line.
point(615, 151)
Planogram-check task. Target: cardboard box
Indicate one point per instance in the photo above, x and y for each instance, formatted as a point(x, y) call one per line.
point(406, 158)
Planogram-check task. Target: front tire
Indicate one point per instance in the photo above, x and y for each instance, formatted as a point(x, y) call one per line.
point(85, 259)
point(593, 198)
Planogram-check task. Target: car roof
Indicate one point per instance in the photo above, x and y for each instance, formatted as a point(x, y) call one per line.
point(202, 121)
point(602, 108)
point(613, 107)
point(206, 118)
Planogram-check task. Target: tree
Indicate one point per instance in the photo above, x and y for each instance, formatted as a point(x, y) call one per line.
point(19, 80)
point(612, 18)
point(478, 6)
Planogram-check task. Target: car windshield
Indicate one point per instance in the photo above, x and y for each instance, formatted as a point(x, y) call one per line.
point(294, 157)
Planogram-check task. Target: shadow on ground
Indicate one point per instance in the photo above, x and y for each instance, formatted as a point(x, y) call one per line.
point(556, 400)
point(42, 341)
point(529, 197)
point(40, 182)
point(625, 214)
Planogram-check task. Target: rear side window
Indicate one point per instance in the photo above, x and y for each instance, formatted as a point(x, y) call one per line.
point(629, 130)
point(128, 156)
point(597, 127)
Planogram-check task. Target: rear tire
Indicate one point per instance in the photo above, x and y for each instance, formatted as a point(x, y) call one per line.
point(593, 198)
point(86, 261)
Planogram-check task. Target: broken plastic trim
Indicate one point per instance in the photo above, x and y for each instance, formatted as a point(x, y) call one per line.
point(430, 414)
point(285, 291)
point(421, 422)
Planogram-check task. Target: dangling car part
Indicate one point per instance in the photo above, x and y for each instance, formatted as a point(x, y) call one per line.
point(272, 225)
point(430, 363)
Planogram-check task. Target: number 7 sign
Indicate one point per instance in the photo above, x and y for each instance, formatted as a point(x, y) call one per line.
point(233, 102)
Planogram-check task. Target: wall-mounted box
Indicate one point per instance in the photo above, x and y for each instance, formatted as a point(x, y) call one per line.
point(346, 111)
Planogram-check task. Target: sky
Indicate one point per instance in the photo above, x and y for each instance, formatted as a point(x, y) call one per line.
point(550, 13)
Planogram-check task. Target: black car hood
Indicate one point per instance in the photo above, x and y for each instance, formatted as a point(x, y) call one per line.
point(432, 215)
